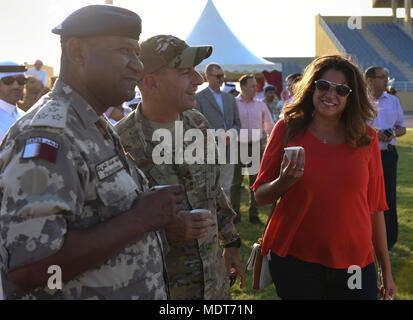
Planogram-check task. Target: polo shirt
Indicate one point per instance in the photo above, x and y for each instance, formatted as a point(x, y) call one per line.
point(390, 114)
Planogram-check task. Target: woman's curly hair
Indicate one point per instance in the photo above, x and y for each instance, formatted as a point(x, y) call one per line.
point(358, 111)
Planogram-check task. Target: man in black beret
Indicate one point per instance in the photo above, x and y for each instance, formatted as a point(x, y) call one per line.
point(107, 38)
point(77, 220)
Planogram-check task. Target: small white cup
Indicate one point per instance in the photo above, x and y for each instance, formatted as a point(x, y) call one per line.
point(161, 186)
point(200, 211)
point(289, 151)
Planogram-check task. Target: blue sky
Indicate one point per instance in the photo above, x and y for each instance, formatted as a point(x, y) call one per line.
point(269, 28)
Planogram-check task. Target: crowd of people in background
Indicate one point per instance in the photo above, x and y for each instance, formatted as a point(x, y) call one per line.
point(77, 171)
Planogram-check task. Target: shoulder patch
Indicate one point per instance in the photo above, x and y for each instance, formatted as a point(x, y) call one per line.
point(196, 119)
point(53, 114)
point(40, 148)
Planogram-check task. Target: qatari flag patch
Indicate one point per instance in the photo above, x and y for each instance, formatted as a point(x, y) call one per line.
point(41, 148)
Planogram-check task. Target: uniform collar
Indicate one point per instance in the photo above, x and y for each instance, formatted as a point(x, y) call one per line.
point(138, 113)
point(87, 114)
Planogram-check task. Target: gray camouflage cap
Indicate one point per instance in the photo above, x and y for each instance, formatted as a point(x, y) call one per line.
point(168, 51)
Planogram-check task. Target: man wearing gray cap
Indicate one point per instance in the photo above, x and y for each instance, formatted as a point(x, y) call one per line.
point(271, 101)
point(76, 219)
point(197, 267)
point(12, 81)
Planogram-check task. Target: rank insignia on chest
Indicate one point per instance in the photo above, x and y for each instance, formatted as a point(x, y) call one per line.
point(40, 148)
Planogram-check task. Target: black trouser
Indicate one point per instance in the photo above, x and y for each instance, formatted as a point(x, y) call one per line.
point(389, 160)
point(295, 279)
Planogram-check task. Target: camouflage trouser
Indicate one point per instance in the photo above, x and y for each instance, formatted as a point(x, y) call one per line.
point(236, 185)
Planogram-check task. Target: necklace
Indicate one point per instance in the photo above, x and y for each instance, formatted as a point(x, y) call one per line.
point(322, 137)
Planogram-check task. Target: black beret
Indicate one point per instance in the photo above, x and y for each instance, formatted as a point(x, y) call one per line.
point(95, 20)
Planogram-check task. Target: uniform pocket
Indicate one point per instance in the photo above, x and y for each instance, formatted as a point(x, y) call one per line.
point(117, 193)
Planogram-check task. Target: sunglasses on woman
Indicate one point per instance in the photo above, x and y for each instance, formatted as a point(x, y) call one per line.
point(10, 80)
point(341, 89)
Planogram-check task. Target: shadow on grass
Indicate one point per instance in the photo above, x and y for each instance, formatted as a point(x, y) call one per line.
point(402, 255)
point(401, 259)
point(249, 233)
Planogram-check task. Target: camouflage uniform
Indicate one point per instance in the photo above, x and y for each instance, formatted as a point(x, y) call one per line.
point(89, 181)
point(196, 269)
point(273, 108)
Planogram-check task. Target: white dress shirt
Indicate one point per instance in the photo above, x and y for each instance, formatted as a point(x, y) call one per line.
point(8, 116)
point(390, 114)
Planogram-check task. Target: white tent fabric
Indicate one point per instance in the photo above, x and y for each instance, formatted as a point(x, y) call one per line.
point(229, 52)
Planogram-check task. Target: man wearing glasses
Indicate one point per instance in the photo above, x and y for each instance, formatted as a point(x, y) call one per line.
point(390, 124)
point(220, 108)
point(12, 81)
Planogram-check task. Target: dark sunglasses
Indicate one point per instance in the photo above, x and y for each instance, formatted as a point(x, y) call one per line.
point(10, 80)
point(219, 76)
point(341, 89)
point(382, 77)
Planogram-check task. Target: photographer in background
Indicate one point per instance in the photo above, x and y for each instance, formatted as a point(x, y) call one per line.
point(390, 124)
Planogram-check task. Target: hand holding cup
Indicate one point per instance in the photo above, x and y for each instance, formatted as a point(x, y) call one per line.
point(292, 166)
point(191, 225)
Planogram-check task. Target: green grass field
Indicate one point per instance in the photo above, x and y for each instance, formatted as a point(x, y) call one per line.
point(401, 257)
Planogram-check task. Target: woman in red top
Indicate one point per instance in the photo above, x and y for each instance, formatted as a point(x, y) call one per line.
point(323, 234)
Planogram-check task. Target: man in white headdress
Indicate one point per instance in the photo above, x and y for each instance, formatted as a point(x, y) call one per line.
point(12, 82)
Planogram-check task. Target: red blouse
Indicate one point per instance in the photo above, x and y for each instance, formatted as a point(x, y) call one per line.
point(325, 216)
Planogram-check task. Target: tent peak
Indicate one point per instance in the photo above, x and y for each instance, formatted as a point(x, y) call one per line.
point(211, 29)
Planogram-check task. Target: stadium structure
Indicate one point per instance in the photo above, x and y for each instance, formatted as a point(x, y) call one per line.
point(369, 40)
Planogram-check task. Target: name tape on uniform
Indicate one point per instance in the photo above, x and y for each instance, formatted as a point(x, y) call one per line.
point(109, 167)
point(41, 148)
